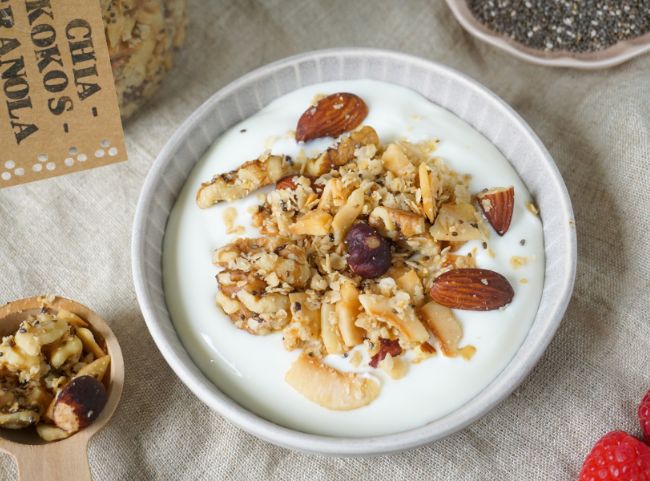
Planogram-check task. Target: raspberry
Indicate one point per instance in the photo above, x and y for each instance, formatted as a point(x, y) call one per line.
point(644, 416)
point(617, 456)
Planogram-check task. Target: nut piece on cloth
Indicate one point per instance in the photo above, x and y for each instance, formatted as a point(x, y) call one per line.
point(141, 36)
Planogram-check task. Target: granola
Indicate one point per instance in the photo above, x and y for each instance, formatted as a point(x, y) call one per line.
point(352, 240)
point(48, 354)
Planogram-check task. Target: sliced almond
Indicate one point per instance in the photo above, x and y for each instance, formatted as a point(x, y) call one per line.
point(330, 330)
point(96, 369)
point(347, 310)
point(330, 388)
point(429, 188)
point(71, 318)
point(347, 214)
point(89, 342)
point(444, 326)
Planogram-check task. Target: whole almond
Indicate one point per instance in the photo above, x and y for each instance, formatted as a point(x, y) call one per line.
point(331, 116)
point(497, 206)
point(472, 289)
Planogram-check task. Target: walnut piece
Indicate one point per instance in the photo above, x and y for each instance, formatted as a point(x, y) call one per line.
point(252, 175)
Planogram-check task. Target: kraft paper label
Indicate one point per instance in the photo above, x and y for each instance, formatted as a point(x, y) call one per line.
point(58, 107)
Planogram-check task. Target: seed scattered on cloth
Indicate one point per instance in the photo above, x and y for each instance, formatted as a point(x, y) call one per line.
point(574, 26)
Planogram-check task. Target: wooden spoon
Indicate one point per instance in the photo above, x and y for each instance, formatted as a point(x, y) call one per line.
point(66, 459)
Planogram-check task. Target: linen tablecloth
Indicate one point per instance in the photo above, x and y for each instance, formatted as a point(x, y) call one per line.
point(72, 235)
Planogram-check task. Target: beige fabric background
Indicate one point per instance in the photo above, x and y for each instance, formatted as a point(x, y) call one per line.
point(71, 236)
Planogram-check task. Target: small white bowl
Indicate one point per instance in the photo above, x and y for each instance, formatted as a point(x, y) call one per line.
point(443, 86)
point(616, 54)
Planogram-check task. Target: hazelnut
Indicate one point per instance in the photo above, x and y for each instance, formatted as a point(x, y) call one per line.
point(368, 252)
point(79, 403)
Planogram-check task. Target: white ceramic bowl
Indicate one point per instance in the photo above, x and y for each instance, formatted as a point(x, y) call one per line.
point(443, 86)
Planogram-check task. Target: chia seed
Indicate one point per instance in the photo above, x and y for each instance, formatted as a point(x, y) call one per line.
point(568, 25)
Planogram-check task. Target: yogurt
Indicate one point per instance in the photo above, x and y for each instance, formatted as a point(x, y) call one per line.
point(251, 369)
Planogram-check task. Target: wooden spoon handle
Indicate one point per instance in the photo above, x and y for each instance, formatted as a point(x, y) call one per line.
point(59, 462)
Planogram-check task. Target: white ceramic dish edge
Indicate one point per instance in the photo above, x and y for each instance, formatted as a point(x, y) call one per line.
point(515, 139)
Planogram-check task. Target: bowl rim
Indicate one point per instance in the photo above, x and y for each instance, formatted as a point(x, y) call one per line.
point(217, 400)
point(614, 55)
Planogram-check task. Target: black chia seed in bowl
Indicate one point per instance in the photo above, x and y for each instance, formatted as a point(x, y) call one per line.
point(574, 26)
